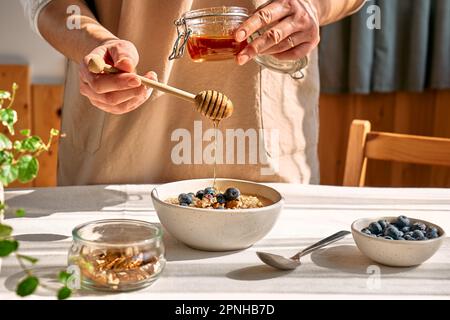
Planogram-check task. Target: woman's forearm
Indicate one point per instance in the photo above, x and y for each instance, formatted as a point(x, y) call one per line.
point(333, 10)
point(74, 43)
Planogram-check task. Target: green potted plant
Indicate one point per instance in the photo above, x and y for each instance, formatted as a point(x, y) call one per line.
point(18, 162)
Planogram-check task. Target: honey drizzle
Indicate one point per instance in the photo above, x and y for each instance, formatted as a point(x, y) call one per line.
point(216, 128)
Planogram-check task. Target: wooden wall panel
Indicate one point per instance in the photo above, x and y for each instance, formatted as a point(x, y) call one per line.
point(19, 74)
point(334, 111)
point(47, 103)
point(441, 176)
point(414, 114)
point(425, 113)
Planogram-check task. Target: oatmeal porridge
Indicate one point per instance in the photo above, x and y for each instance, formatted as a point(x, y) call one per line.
point(211, 198)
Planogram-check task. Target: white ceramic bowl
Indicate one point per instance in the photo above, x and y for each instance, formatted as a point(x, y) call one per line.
point(395, 253)
point(216, 230)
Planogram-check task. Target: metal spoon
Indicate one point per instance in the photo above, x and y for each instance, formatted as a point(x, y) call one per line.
point(283, 263)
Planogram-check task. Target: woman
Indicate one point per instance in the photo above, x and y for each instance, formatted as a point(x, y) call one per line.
point(117, 131)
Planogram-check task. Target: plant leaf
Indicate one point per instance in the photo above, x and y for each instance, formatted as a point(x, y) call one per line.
point(28, 168)
point(17, 145)
point(8, 118)
point(5, 231)
point(27, 286)
point(63, 277)
point(5, 143)
point(7, 247)
point(54, 132)
point(25, 132)
point(20, 213)
point(64, 293)
point(5, 94)
point(6, 157)
point(32, 144)
point(28, 258)
point(8, 173)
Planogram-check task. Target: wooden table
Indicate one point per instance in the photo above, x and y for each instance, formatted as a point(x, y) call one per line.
point(311, 212)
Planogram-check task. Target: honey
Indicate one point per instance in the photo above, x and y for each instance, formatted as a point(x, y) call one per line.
point(213, 48)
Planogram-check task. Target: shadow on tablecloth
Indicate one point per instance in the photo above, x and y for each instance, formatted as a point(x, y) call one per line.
point(256, 273)
point(41, 237)
point(348, 259)
point(41, 202)
point(178, 251)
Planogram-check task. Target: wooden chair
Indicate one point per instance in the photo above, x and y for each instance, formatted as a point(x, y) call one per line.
point(365, 144)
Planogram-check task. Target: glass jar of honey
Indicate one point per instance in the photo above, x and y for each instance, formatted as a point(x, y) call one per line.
point(208, 35)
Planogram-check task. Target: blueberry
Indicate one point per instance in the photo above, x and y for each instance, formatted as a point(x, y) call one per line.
point(388, 238)
point(406, 229)
point(401, 238)
point(220, 198)
point(418, 226)
point(232, 194)
point(184, 204)
point(418, 235)
point(409, 233)
point(384, 224)
point(429, 229)
point(375, 228)
point(200, 194)
point(408, 237)
point(208, 196)
point(210, 190)
point(403, 221)
point(392, 232)
point(184, 199)
point(432, 233)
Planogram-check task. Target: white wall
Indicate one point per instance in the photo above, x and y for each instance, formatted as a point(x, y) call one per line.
point(20, 45)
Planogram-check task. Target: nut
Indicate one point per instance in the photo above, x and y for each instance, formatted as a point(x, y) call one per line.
point(116, 267)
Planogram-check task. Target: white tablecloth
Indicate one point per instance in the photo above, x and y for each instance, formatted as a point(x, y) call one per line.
point(311, 213)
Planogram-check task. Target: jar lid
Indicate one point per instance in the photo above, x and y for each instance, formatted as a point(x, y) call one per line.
point(216, 11)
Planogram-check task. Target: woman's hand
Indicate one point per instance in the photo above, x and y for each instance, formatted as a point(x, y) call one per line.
point(115, 93)
point(292, 34)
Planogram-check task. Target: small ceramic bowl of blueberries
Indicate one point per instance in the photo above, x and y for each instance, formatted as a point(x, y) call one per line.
point(397, 241)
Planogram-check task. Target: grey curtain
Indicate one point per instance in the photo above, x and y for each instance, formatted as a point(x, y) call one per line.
point(410, 52)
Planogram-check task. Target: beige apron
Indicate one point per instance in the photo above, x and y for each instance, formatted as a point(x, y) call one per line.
point(138, 147)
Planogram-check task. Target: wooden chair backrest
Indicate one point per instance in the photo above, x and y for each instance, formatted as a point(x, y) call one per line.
point(364, 144)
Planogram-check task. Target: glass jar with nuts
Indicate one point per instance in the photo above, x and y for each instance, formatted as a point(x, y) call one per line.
point(117, 255)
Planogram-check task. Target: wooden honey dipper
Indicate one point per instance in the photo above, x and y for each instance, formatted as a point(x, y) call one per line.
point(212, 104)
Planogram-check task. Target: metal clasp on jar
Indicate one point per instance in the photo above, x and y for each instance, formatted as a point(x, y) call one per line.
point(299, 74)
point(182, 38)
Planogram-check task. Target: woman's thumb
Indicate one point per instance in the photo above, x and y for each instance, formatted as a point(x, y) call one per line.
point(124, 56)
